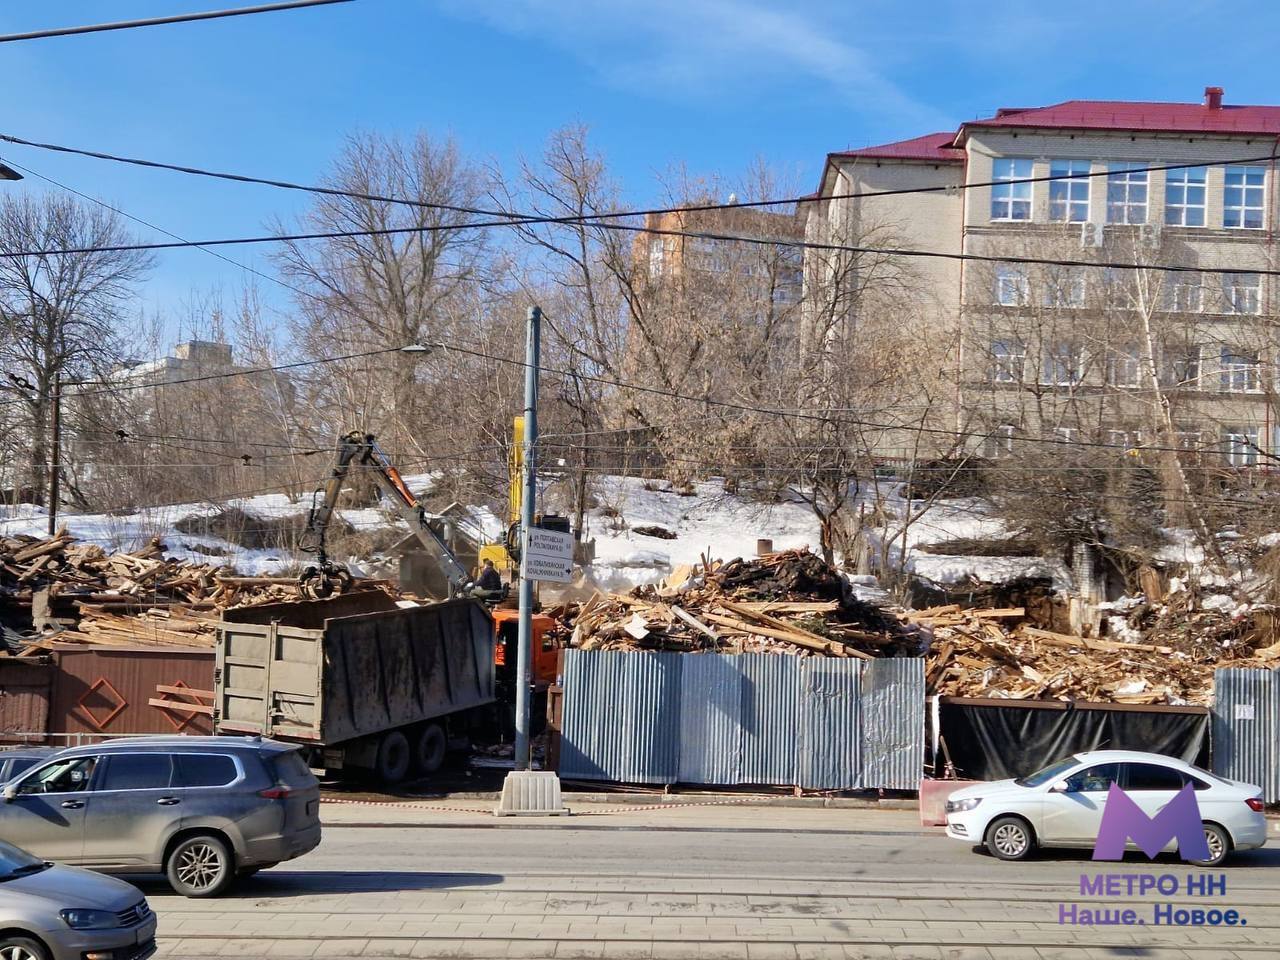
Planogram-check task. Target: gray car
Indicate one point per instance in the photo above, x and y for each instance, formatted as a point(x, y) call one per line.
point(13, 762)
point(52, 912)
point(201, 810)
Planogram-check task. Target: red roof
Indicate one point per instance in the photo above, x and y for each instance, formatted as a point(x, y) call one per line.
point(1156, 117)
point(936, 147)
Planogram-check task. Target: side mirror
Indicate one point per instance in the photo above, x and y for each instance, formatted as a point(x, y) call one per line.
point(10, 791)
point(1062, 786)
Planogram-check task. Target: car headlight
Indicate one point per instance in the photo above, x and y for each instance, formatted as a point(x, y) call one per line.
point(960, 806)
point(89, 919)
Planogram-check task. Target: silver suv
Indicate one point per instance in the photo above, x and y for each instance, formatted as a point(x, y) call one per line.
point(202, 810)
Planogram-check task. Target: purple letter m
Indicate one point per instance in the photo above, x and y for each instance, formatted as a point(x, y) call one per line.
point(1123, 820)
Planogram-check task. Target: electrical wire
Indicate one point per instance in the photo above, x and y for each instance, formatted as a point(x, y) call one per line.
point(162, 21)
point(509, 219)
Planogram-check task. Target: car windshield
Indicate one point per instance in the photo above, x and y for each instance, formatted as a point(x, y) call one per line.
point(16, 862)
point(1051, 772)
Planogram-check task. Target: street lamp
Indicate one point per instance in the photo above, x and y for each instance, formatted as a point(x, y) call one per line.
point(8, 173)
point(417, 348)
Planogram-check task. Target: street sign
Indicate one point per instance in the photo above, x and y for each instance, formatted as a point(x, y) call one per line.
point(549, 556)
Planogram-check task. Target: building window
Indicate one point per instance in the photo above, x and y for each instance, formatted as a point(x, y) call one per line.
point(1065, 289)
point(1124, 367)
point(1184, 197)
point(1189, 438)
point(1239, 370)
point(1010, 200)
point(1242, 293)
point(1066, 434)
point(1240, 445)
point(1126, 193)
point(1124, 438)
point(1013, 289)
point(1118, 289)
point(1180, 366)
point(1069, 199)
point(1008, 358)
point(1063, 365)
point(1183, 293)
point(1243, 198)
point(999, 442)
point(656, 251)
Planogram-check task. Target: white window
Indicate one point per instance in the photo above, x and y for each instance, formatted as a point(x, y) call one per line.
point(1118, 289)
point(1010, 200)
point(1243, 198)
point(998, 442)
point(1242, 293)
point(1180, 366)
point(1124, 367)
point(1063, 365)
point(1189, 438)
point(1123, 437)
point(1126, 193)
point(1068, 434)
point(1183, 293)
point(1065, 289)
point(1240, 445)
point(1184, 197)
point(1069, 198)
point(1013, 289)
point(1239, 370)
point(1008, 358)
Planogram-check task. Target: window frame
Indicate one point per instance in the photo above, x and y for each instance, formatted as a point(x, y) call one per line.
point(1054, 353)
point(999, 442)
point(1063, 194)
point(1007, 191)
point(1179, 180)
point(1125, 175)
point(1244, 207)
point(1233, 292)
point(1130, 356)
point(1240, 443)
point(1010, 364)
point(1244, 367)
point(1015, 279)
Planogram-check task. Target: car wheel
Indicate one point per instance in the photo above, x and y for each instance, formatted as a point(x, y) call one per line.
point(430, 748)
point(200, 866)
point(392, 762)
point(21, 948)
point(1009, 838)
point(1219, 846)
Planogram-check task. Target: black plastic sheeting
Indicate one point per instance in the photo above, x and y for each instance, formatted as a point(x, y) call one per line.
point(993, 741)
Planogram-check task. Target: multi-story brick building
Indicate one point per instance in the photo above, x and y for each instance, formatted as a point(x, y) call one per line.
point(1096, 352)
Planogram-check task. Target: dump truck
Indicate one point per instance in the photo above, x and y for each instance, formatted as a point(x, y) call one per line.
point(368, 685)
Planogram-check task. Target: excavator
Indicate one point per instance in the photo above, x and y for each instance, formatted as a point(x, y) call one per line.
point(360, 452)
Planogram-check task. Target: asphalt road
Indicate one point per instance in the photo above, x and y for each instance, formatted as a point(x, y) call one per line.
point(740, 883)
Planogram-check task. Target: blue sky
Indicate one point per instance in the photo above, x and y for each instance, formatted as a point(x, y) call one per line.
point(711, 84)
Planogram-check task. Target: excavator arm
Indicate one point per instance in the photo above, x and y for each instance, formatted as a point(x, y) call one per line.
point(360, 451)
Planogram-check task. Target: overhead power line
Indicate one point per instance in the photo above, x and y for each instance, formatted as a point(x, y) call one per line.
point(162, 21)
point(598, 218)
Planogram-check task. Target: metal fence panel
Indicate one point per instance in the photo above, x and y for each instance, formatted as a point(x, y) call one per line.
point(621, 716)
point(711, 689)
point(1246, 728)
point(770, 718)
point(830, 735)
point(891, 719)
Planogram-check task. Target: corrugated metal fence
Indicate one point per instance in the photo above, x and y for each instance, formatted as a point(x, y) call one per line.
point(743, 719)
point(1246, 728)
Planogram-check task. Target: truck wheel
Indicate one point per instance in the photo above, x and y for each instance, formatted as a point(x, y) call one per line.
point(430, 748)
point(392, 762)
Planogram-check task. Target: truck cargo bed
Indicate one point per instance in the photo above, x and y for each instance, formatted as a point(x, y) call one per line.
point(328, 671)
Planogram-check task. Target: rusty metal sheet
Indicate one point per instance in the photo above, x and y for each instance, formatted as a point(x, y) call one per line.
point(108, 689)
point(24, 700)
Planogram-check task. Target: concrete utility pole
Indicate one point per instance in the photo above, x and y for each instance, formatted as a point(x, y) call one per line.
point(524, 636)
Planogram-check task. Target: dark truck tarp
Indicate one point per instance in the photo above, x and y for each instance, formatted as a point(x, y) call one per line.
point(990, 739)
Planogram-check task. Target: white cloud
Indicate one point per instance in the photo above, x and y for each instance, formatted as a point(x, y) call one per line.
point(704, 49)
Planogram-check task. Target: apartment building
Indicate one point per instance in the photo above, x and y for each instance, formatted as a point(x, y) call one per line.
point(1030, 311)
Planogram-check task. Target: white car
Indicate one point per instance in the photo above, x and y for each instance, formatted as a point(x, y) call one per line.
point(1061, 805)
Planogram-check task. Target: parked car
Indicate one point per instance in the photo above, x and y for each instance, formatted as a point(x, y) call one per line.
point(52, 912)
point(1061, 805)
point(202, 810)
point(13, 762)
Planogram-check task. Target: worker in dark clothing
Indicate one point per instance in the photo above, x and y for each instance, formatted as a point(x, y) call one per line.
point(488, 584)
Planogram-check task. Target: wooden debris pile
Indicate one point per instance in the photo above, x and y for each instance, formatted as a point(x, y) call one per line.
point(59, 590)
point(790, 603)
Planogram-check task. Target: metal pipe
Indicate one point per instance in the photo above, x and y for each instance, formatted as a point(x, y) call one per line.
point(524, 635)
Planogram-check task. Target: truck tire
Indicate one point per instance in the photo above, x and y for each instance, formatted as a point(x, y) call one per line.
point(392, 762)
point(429, 748)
